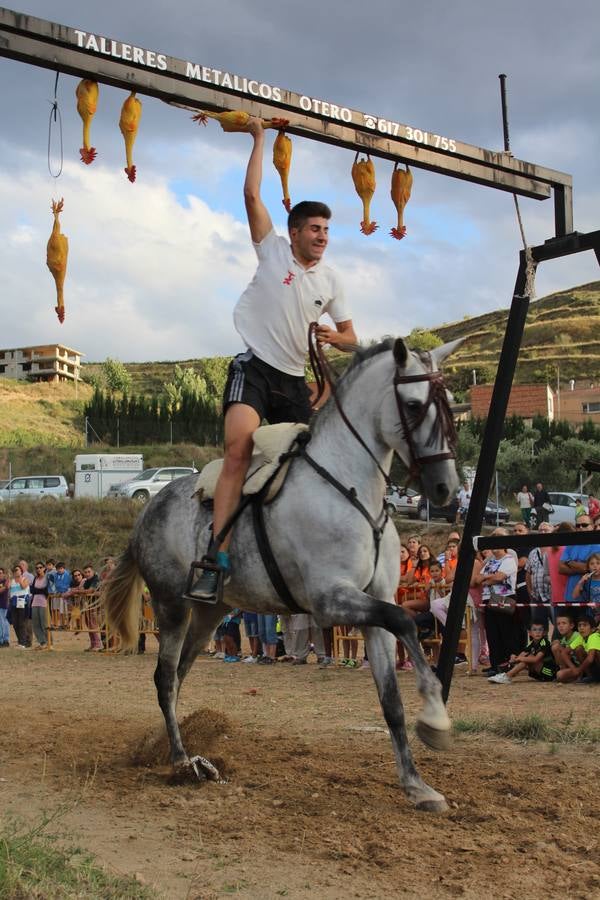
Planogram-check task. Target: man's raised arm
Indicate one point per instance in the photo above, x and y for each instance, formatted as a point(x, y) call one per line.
point(258, 215)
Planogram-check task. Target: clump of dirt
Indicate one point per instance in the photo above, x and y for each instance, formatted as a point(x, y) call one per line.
point(202, 729)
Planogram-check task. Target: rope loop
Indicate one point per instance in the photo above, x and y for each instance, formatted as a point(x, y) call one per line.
point(56, 117)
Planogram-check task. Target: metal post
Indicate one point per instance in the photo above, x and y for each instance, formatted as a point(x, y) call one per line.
point(483, 476)
point(497, 500)
point(504, 112)
point(87, 442)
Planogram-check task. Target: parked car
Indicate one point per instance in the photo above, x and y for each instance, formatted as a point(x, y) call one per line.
point(447, 512)
point(36, 487)
point(149, 482)
point(402, 500)
point(493, 513)
point(563, 506)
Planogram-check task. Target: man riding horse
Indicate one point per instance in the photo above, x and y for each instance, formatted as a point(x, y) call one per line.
point(292, 287)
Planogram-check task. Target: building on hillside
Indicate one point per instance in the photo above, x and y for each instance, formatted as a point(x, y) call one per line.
point(43, 362)
point(575, 404)
point(578, 404)
point(526, 401)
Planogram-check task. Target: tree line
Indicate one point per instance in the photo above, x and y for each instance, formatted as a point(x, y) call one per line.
point(185, 411)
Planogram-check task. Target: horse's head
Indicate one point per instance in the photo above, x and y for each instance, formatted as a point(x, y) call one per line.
point(418, 424)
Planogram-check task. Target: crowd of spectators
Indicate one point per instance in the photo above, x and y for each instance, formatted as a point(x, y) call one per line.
point(536, 614)
point(29, 594)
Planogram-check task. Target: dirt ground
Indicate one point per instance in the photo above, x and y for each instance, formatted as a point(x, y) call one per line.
point(312, 804)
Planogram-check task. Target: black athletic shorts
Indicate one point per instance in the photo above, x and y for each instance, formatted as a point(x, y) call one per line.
point(276, 396)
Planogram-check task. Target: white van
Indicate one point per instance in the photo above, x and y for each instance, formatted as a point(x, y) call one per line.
point(97, 473)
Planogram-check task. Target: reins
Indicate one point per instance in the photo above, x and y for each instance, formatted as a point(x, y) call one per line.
point(324, 376)
point(443, 423)
point(442, 427)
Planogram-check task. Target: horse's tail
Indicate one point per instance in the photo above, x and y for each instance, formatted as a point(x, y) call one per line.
point(121, 593)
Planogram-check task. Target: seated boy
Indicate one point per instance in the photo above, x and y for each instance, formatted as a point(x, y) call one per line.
point(536, 659)
point(588, 670)
point(567, 645)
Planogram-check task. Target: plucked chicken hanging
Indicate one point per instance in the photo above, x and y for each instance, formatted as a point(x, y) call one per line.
point(236, 120)
point(131, 113)
point(87, 101)
point(400, 193)
point(57, 252)
point(363, 176)
point(282, 158)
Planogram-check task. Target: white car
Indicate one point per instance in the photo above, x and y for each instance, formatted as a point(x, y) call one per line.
point(36, 487)
point(149, 482)
point(402, 500)
point(563, 506)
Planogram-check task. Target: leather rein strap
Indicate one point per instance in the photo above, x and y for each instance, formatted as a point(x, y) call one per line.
point(442, 428)
point(324, 375)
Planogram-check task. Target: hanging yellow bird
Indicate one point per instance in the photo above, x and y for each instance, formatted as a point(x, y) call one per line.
point(363, 176)
point(282, 158)
point(236, 120)
point(400, 193)
point(87, 101)
point(57, 252)
point(131, 113)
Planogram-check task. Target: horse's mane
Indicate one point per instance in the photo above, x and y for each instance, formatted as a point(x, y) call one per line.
point(362, 354)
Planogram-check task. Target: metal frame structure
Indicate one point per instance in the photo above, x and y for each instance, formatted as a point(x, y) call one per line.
point(189, 84)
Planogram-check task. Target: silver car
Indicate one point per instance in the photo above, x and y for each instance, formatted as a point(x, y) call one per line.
point(149, 482)
point(36, 487)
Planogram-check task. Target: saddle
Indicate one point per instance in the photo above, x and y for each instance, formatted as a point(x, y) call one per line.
point(270, 442)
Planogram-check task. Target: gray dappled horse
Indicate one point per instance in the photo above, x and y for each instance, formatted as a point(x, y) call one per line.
point(325, 547)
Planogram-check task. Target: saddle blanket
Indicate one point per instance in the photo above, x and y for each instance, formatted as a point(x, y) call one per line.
point(270, 441)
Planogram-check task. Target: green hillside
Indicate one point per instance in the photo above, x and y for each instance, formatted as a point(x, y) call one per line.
point(562, 333)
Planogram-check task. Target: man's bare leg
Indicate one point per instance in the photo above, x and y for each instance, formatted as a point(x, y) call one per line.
point(241, 421)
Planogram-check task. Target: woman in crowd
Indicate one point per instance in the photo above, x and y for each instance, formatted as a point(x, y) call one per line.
point(498, 577)
point(418, 583)
point(39, 606)
point(4, 593)
point(20, 600)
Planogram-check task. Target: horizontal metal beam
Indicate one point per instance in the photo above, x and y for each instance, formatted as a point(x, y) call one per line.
point(526, 542)
point(178, 82)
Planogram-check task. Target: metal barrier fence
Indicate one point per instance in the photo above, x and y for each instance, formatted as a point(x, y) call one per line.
point(82, 612)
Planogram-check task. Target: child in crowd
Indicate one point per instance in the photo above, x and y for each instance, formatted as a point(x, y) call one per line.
point(588, 670)
point(537, 659)
point(232, 641)
point(587, 588)
point(567, 646)
point(251, 629)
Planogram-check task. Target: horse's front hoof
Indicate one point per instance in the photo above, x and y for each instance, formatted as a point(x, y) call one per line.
point(186, 772)
point(435, 738)
point(205, 771)
point(433, 806)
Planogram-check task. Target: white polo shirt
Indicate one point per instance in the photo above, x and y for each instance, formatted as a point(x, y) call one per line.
point(273, 314)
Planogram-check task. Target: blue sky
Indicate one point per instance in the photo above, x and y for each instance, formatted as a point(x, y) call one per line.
point(155, 268)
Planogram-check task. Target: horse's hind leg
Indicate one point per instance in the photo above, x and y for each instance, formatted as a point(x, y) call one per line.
point(381, 648)
point(203, 622)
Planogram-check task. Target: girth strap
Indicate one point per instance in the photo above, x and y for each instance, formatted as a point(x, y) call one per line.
point(269, 561)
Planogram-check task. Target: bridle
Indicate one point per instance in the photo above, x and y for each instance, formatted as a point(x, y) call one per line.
point(443, 427)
